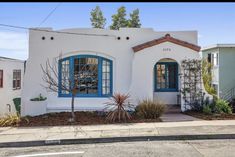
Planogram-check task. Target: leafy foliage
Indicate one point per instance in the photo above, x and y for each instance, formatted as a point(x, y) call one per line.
point(97, 18)
point(118, 108)
point(12, 120)
point(222, 106)
point(207, 77)
point(218, 106)
point(207, 109)
point(134, 21)
point(119, 19)
point(149, 109)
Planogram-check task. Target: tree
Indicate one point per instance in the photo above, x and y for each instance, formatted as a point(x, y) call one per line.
point(134, 21)
point(119, 19)
point(51, 78)
point(207, 77)
point(97, 18)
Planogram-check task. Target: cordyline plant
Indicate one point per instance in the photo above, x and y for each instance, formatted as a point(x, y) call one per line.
point(118, 108)
point(51, 77)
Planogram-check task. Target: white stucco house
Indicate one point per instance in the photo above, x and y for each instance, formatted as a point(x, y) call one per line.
point(11, 80)
point(139, 61)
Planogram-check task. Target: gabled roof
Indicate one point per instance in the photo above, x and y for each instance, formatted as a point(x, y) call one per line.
point(166, 38)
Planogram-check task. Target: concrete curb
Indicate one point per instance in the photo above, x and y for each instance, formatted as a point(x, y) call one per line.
point(116, 139)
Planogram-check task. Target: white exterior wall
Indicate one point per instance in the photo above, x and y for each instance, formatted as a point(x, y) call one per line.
point(132, 72)
point(143, 84)
point(7, 93)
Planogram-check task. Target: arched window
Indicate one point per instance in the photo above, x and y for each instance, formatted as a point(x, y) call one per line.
point(166, 77)
point(90, 75)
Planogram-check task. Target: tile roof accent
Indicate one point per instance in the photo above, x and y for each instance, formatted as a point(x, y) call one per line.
point(166, 38)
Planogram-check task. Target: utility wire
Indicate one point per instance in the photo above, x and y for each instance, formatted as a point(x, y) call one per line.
point(50, 14)
point(37, 29)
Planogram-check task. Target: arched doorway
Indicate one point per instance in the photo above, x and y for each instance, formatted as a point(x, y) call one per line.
point(166, 81)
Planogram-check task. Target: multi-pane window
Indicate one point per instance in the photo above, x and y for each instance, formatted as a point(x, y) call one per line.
point(166, 76)
point(86, 74)
point(16, 79)
point(213, 58)
point(65, 84)
point(1, 78)
point(89, 75)
point(106, 73)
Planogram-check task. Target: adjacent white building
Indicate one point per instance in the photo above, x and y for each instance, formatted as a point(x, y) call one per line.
point(11, 80)
point(139, 61)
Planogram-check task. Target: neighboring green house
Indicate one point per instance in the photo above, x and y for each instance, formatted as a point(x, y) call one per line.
point(222, 57)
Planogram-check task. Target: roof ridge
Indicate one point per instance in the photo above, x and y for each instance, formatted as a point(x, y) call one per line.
point(166, 38)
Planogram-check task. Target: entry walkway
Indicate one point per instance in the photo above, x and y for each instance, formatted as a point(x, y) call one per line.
point(178, 117)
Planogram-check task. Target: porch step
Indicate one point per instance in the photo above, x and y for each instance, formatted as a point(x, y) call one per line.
point(173, 109)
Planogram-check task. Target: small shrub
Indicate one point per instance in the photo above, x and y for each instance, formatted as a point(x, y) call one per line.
point(118, 108)
point(207, 109)
point(12, 120)
point(222, 106)
point(149, 109)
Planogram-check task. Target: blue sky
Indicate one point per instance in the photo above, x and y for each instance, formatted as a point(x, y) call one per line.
point(215, 22)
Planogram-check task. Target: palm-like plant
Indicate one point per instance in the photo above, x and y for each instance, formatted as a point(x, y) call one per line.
point(118, 108)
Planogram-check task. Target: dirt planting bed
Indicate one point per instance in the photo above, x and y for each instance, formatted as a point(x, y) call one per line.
point(212, 116)
point(82, 118)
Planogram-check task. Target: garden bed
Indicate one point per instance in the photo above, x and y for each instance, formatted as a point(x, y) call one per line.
point(82, 118)
point(210, 117)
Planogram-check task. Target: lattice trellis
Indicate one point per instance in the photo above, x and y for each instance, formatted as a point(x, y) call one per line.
point(191, 84)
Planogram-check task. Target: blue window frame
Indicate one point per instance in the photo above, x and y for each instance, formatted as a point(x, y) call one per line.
point(166, 77)
point(92, 76)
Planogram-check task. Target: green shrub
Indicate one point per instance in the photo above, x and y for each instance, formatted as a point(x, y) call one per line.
point(222, 106)
point(207, 109)
point(149, 109)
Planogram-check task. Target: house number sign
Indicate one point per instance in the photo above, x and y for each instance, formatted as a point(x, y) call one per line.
point(166, 49)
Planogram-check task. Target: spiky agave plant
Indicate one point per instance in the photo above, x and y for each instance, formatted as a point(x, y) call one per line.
point(118, 108)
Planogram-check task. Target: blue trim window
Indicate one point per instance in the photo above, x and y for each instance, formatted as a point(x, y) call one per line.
point(91, 75)
point(106, 77)
point(64, 75)
point(86, 73)
point(166, 77)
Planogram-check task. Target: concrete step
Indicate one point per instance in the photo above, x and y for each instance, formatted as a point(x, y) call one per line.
point(173, 109)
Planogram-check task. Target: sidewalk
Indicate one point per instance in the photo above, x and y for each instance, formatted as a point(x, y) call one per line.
point(53, 135)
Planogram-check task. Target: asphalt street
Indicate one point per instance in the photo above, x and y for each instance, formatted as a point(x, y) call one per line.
point(194, 148)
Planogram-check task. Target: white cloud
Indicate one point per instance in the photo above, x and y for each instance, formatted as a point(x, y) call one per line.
point(14, 44)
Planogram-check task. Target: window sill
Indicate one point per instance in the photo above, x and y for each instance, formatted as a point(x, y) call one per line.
point(167, 90)
point(84, 96)
point(16, 88)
